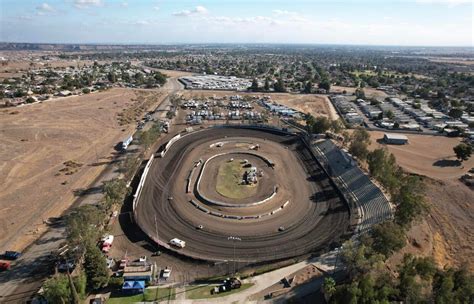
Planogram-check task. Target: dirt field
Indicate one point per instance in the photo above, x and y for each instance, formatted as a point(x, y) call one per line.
point(25, 65)
point(431, 156)
point(369, 92)
point(317, 105)
point(452, 220)
point(446, 232)
point(173, 73)
point(460, 61)
point(35, 143)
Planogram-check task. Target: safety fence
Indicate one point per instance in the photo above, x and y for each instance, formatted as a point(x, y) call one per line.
point(136, 196)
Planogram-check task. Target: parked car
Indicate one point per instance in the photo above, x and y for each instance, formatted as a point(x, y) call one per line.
point(67, 265)
point(11, 255)
point(4, 265)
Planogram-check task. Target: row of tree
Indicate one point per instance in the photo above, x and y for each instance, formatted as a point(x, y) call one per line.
point(84, 227)
point(322, 124)
point(416, 280)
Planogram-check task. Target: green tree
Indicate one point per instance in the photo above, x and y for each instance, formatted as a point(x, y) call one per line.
point(360, 94)
point(112, 77)
point(95, 267)
point(410, 200)
point(389, 114)
point(80, 282)
point(388, 237)
point(329, 288)
point(337, 125)
point(160, 78)
point(266, 87)
point(81, 225)
point(254, 87)
point(347, 294)
point(279, 86)
point(383, 166)
point(360, 141)
point(463, 151)
point(318, 125)
point(325, 84)
point(114, 191)
point(56, 290)
point(170, 114)
point(455, 113)
point(74, 296)
point(308, 87)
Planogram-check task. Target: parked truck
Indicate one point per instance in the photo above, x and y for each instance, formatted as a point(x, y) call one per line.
point(178, 243)
point(11, 255)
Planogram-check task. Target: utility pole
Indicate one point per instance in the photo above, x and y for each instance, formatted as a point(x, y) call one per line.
point(156, 231)
point(158, 277)
point(157, 283)
point(234, 238)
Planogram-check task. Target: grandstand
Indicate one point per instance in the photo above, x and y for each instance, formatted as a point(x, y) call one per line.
point(374, 206)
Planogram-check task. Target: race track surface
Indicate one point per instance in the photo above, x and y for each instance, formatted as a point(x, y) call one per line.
point(315, 217)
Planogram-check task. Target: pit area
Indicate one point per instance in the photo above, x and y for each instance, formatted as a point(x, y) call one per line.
point(196, 193)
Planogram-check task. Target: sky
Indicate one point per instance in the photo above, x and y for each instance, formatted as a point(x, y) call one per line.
point(360, 22)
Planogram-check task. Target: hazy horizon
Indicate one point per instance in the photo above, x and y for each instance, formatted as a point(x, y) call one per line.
point(398, 23)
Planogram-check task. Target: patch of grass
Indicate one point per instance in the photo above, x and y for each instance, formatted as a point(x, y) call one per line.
point(204, 291)
point(229, 179)
point(164, 294)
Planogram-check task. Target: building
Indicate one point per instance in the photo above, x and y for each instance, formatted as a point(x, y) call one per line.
point(138, 271)
point(133, 287)
point(395, 139)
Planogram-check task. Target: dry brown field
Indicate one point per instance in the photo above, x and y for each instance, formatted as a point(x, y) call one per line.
point(36, 140)
point(25, 65)
point(460, 61)
point(174, 73)
point(431, 156)
point(446, 233)
point(369, 92)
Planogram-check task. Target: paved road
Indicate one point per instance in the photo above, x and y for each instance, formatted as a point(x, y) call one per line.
point(316, 222)
point(28, 273)
point(325, 262)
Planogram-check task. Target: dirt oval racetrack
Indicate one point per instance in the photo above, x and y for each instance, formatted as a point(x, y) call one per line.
point(313, 220)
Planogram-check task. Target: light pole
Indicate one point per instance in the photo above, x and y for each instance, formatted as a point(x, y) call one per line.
point(234, 238)
point(158, 277)
point(157, 236)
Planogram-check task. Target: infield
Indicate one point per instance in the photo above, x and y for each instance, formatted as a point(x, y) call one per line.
point(229, 181)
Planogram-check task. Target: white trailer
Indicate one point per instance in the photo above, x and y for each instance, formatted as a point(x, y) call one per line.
point(127, 142)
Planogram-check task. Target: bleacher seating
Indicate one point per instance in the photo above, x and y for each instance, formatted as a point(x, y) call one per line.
point(339, 164)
